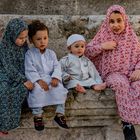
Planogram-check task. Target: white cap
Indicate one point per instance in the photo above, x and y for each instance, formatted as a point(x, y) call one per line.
point(74, 38)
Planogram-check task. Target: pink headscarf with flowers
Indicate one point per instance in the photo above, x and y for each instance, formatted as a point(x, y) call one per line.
point(124, 58)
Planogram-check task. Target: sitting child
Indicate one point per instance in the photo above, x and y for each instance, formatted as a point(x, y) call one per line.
point(78, 71)
point(43, 69)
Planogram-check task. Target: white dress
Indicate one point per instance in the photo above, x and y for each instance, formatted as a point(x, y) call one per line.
point(44, 66)
point(81, 70)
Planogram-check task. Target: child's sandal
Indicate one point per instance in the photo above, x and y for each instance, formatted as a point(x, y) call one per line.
point(38, 123)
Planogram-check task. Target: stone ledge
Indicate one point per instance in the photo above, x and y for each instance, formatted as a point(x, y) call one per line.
point(90, 116)
point(83, 110)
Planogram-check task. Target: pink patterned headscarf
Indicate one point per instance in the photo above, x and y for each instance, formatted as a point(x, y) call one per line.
point(105, 33)
point(122, 59)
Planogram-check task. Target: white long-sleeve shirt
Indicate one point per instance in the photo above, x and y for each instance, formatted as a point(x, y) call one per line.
point(44, 66)
point(81, 70)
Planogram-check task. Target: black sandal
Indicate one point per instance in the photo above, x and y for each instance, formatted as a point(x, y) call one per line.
point(129, 131)
point(38, 123)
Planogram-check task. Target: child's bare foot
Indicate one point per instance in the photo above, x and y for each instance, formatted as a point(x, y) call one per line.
point(80, 89)
point(99, 86)
point(3, 133)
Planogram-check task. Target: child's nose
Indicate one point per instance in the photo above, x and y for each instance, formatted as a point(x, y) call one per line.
point(80, 48)
point(115, 24)
point(42, 41)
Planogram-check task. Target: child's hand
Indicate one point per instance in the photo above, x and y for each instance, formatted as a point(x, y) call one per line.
point(54, 82)
point(43, 85)
point(67, 78)
point(135, 75)
point(109, 45)
point(29, 85)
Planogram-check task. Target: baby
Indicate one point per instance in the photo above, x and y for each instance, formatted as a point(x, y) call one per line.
point(78, 71)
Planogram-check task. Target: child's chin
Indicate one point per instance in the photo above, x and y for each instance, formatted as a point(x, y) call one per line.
point(117, 32)
point(80, 55)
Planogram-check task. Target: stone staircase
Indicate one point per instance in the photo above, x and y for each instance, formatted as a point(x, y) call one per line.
point(89, 116)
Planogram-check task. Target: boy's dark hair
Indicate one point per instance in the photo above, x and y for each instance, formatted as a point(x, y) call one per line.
point(35, 26)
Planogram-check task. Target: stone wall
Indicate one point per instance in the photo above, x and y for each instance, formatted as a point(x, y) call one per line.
point(61, 26)
point(65, 7)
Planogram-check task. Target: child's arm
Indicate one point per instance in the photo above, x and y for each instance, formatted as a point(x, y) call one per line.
point(30, 71)
point(10, 70)
point(99, 85)
point(92, 50)
point(136, 73)
point(137, 67)
point(57, 68)
point(94, 73)
point(65, 76)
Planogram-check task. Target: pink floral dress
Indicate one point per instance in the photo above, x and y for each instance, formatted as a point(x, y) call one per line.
point(116, 66)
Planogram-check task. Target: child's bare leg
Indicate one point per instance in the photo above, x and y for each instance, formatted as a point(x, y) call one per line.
point(99, 86)
point(80, 88)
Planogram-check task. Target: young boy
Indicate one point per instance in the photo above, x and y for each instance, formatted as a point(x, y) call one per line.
point(43, 69)
point(78, 71)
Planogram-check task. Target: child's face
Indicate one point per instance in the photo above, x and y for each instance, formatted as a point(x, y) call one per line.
point(77, 48)
point(21, 38)
point(116, 22)
point(40, 40)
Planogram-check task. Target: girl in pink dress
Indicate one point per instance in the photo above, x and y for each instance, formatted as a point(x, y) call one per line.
point(115, 51)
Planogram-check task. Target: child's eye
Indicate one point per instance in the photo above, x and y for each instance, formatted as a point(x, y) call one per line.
point(82, 46)
point(76, 46)
point(111, 21)
point(119, 20)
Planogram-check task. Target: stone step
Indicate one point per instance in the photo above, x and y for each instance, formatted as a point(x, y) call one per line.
point(90, 117)
point(58, 134)
point(90, 109)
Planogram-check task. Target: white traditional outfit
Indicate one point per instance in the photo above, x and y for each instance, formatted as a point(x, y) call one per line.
point(81, 70)
point(44, 66)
